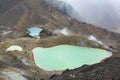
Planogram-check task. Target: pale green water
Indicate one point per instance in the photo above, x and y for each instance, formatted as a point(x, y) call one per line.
point(67, 57)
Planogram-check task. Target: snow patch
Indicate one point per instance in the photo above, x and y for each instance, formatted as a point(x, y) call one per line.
point(93, 38)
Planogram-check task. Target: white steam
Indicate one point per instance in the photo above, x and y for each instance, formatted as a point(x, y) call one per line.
point(103, 13)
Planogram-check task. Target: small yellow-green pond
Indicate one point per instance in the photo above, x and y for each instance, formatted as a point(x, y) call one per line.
point(67, 57)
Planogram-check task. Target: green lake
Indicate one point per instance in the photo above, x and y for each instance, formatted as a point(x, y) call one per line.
point(67, 57)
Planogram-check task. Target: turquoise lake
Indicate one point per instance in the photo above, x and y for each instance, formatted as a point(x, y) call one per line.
point(34, 31)
point(67, 57)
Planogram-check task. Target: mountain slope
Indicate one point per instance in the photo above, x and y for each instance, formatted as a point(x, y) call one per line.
point(19, 15)
point(10, 11)
point(22, 14)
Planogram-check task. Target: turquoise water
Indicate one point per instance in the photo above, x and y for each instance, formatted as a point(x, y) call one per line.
point(67, 57)
point(34, 31)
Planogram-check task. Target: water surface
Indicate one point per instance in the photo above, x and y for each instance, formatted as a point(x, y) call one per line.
point(67, 57)
point(34, 31)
